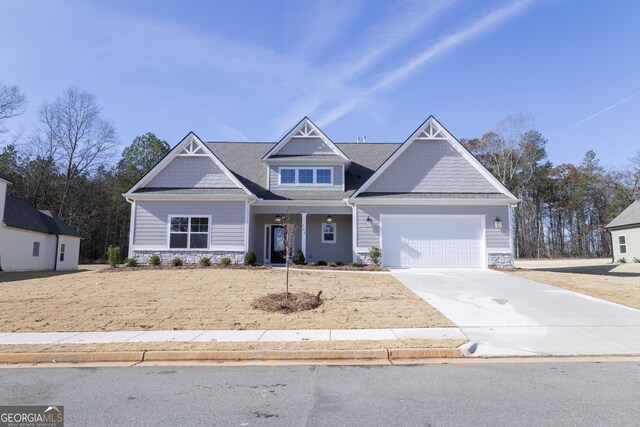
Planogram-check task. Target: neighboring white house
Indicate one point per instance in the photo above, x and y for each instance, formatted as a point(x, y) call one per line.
point(427, 202)
point(34, 240)
point(625, 233)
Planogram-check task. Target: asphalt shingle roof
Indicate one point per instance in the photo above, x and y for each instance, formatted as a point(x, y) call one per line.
point(434, 195)
point(244, 160)
point(222, 191)
point(20, 214)
point(629, 216)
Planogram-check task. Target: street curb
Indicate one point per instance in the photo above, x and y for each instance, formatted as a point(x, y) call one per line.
point(73, 357)
point(231, 356)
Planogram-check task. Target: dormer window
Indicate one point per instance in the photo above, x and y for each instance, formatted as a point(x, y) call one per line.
point(306, 176)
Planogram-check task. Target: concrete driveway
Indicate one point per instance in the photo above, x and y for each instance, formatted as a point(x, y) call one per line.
point(508, 315)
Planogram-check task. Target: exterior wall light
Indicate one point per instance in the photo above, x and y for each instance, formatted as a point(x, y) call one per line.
point(277, 219)
point(368, 221)
point(329, 219)
point(498, 223)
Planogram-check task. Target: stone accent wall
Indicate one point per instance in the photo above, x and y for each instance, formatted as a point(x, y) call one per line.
point(501, 260)
point(189, 257)
point(363, 258)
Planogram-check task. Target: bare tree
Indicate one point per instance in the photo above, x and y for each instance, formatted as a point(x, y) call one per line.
point(286, 246)
point(12, 102)
point(72, 129)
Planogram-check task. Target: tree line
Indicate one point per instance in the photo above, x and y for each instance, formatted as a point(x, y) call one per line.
point(70, 164)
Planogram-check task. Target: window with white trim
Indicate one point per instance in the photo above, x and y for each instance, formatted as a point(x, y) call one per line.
point(62, 250)
point(328, 233)
point(189, 232)
point(622, 244)
point(306, 176)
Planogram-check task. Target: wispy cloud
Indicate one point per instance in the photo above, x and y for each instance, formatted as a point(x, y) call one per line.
point(610, 107)
point(378, 40)
point(445, 45)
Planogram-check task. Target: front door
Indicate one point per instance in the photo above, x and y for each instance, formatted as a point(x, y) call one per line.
point(277, 244)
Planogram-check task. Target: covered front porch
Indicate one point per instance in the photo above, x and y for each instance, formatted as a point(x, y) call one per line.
point(322, 233)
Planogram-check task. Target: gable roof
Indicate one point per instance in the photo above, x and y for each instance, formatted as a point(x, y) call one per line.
point(190, 145)
point(629, 216)
point(244, 159)
point(304, 129)
point(20, 214)
point(431, 129)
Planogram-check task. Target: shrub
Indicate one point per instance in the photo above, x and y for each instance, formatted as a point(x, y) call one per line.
point(333, 264)
point(250, 258)
point(130, 262)
point(155, 260)
point(339, 263)
point(298, 257)
point(176, 262)
point(113, 255)
point(321, 262)
point(204, 261)
point(225, 262)
point(622, 260)
point(636, 259)
point(375, 253)
point(355, 264)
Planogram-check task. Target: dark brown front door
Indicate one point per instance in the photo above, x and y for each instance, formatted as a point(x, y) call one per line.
point(277, 244)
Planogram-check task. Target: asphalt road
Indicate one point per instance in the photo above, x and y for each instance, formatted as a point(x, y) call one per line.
point(530, 394)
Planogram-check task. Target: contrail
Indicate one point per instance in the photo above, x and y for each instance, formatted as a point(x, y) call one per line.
point(607, 109)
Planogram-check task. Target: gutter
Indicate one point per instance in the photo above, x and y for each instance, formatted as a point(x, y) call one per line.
point(55, 260)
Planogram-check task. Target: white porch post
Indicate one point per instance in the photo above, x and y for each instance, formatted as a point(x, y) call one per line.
point(304, 233)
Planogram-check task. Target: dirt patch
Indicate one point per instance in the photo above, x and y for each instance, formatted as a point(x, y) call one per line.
point(204, 298)
point(203, 346)
point(279, 303)
point(619, 283)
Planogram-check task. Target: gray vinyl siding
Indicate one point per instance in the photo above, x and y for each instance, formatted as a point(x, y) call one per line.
point(632, 236)
point(341, 251)
point(192, 172)
point(370, 236)
point(305, 146)
point(431, 167)
point(274, 178)
point(227, 228)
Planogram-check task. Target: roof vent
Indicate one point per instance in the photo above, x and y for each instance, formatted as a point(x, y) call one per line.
point(361, 139)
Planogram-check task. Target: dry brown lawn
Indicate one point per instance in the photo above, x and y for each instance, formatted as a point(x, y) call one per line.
point(174, 299)
point(599, 278)
point(208, 346)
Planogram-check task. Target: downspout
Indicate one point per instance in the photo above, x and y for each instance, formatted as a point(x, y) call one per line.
point(55, 260)
point(354, 232)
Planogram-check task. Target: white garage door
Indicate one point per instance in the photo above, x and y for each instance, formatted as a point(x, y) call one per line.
point(424, 241)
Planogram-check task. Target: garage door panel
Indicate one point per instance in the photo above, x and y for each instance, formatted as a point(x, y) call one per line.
point(432, 242)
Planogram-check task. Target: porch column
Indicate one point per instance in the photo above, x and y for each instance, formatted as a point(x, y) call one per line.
point(304, 233)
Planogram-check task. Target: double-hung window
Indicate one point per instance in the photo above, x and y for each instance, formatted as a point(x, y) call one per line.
point(187, 232)
point(622, 244)
point(328, 233)
point(306, 176)
point(63, 248)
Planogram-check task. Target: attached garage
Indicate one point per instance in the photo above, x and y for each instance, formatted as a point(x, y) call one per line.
point(446, 241)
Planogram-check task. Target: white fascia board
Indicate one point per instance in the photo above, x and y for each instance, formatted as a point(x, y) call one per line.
point(306, 161)
point(403, 202)
point(285, 140)
point(262, 202)
point(174, 153)
point(148, 196)
point(453, 142)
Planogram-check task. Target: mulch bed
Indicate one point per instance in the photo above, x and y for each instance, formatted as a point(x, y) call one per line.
point(277, 303)
point(341, 267)
point(123, 268)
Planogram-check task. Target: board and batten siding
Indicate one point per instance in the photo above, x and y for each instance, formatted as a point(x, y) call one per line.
point(496, 239)
point(274, 178)
point(151, 222)
point(305, 147)
point(431, 167)
point(632, 237)
point(191, 172)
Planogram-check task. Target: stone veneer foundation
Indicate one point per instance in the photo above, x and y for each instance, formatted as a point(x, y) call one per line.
point(188, 257)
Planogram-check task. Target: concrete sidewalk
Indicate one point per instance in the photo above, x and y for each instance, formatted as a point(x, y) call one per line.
point(507, 315)
point(230, 336)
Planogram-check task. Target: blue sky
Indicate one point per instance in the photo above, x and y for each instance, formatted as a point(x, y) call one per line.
point(249, 70)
